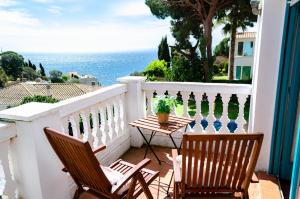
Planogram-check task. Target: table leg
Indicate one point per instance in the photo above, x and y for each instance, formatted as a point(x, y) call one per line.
point(152, 135)
point(148, 145)
point(170, 183)
point(181, 139)
point(173, 142)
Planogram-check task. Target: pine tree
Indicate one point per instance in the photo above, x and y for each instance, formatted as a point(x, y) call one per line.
point(33, 67)
point(29, 64)
point(163, 51)
point(42, 70)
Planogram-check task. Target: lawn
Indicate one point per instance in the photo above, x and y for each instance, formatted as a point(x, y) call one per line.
point(225, 77)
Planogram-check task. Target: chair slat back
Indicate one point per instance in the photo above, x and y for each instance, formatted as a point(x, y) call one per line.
point(219, 162)
point(80, 161)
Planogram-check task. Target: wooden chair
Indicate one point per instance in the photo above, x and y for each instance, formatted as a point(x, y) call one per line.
point(119, 180)
point(215, 165)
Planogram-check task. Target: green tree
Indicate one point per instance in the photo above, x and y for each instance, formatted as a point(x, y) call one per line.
point(29, 73)
point(56, 76)
point(163, 51)
point(222, 49)
point(238, 15)
point(156, 69)
point(12, 63)
point(3, 78)
point(42, 70)
point(184, 69)
point(31, 65)
point(192, 20)
point(39, 98)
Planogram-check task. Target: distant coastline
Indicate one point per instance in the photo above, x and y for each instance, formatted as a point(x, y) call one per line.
point(106, 67)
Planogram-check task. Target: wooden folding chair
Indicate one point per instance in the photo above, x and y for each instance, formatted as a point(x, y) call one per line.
point(215, 165)
point(119, 180)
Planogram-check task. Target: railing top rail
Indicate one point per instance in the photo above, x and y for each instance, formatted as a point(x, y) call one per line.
point(198, 87)
point(76, 104)
point(7, 131)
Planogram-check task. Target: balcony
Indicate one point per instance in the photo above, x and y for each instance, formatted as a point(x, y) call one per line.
point(30, 169)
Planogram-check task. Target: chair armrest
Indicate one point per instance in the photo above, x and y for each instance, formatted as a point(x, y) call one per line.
point(131, 173)
point(99, 148)
point(176, 166)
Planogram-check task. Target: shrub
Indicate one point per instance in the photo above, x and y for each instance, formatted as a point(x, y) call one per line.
point(29, 73)
point(185, 70)
point(56, 76)
point(3, 78)
point(39, 98)
point(156, 68)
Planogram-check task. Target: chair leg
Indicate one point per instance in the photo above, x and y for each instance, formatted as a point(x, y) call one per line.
point(131, 188)
point(246, 195)
point(144, 186)
point(176, 191)
point(77, 193)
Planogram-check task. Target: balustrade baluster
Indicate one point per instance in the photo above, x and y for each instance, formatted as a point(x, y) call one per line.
point(224, 118)
point(211, 117)
point(242, 98)
point(123, 113)
point(185, 98)
point(111, 121)
point(10, 185)
point(149, 95)
point(65, 122)
point(173, 94)
point(96, 127)
point(87, 132)
point(104, 124)
point(117, 117)
point(74, 119)
point(198, 116)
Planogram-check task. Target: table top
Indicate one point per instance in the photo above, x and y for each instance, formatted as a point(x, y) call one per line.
point(150, 123)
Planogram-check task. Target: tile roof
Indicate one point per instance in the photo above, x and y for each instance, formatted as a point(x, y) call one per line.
point(245, 35)
point(14, 94)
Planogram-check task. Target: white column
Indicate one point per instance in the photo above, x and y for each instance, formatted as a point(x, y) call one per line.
point(135, 105)
point(38, 169)
point(266, 67)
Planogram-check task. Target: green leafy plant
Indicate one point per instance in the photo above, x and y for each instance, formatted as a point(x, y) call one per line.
point(164, 104)
point(39, 98)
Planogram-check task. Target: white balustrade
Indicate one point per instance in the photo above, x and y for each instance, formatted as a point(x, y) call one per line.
point(211, 91)
point(98, 119)
point(8, 187)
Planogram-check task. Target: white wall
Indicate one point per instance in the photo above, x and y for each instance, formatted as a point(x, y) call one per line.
point(266, 67)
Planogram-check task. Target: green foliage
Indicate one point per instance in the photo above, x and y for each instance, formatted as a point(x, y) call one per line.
point(42, 70)
point(29, 73)
point(156, 69)
point(12, 63)
point(56, 76)
point(222, 49)
point(73, 80)
point(39, 98)
point(164, 104)
point(31, 65)
point(220, 69)
point(184, 69)
point(65, 78)
point(3, 78)
point(163, 51)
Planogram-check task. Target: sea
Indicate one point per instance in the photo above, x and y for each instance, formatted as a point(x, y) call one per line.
point(106, 67)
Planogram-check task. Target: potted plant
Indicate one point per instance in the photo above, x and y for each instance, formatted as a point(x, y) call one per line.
point(163, 107)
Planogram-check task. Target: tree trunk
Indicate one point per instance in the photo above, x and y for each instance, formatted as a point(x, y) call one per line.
point(208, 43)
point(232, 46)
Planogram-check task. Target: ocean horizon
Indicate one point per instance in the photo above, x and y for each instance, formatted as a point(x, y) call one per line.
point(106, 67)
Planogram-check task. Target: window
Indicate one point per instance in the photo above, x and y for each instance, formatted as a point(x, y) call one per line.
point(248, 48)
point(240, 48)
point(246, 73)
point(238, 72)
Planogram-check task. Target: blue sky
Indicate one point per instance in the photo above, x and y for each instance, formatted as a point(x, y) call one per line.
point(81, 26)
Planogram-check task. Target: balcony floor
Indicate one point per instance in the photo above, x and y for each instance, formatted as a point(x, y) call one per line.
point(266, 188)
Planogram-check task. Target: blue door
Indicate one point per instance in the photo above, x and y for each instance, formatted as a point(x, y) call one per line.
point(288, 86)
